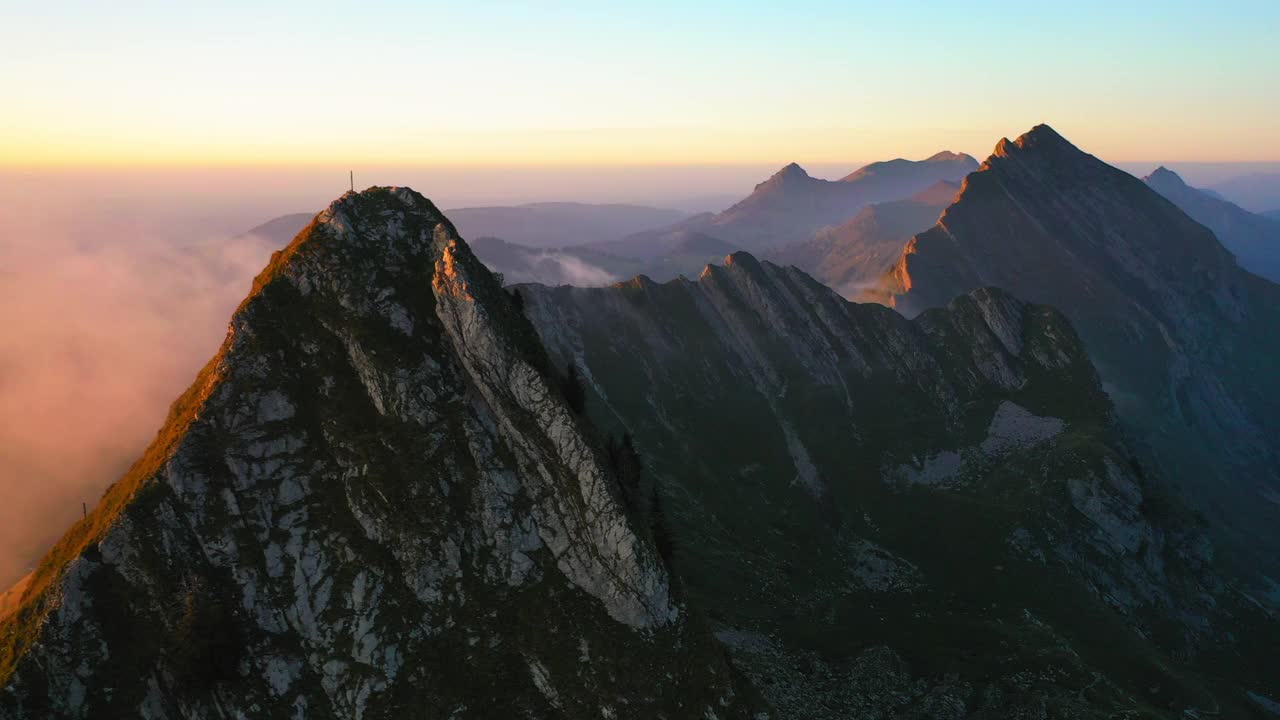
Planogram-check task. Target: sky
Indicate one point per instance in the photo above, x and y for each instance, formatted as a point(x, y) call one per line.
point(580, 83)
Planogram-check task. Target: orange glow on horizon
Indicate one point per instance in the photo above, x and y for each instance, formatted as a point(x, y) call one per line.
point(590, 147)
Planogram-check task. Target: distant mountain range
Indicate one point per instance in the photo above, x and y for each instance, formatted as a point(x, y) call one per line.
point(583, 244)
point(1254, 239)
point(1185, 340)
point(791, 206)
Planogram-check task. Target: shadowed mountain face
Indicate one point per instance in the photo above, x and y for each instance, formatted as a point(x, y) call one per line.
point(791, 206)
point(1186, 341)
point(1272, 214)
point(853, 256)
point(373, 502)
point(906, 518)
point(1253, 239)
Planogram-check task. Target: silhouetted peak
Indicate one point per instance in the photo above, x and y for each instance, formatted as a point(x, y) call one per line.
point(1040, 139)
point(792, 171)
point(1164, 177)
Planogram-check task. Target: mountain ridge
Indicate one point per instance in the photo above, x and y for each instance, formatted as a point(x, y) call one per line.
point(841, 449)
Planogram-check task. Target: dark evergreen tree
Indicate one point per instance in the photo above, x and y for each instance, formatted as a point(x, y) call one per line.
point(572, 389)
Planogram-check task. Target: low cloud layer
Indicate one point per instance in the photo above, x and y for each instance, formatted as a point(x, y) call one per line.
point(553, 268)
point(105, 322)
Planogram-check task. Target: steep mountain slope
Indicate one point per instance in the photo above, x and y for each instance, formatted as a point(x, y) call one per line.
point(1253, 239)
point(928, 518)
point(791, 206)
point(1185, 340)
point(373, 502)
point(560, 224)
point(853, 256)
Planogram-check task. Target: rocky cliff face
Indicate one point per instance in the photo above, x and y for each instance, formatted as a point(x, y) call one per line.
point(906, 518)
point(372, 503)
point(1185, 340)
point(1253, 239)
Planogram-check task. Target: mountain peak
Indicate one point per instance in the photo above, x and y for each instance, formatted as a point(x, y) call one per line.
point(741, 259)
point(1163, 176)
point(790, 171)
point(1040, 137)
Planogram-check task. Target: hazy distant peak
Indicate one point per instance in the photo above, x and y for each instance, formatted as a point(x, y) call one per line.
point(1164, 177)
point(791, 171)
point(901, 166)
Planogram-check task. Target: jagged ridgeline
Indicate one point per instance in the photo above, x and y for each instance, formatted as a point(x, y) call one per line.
point(374, 502)
point(925, 518)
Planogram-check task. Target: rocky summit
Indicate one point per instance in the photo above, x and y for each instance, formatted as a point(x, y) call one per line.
point(374, 502)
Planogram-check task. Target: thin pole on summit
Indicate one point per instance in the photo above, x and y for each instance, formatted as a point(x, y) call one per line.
point(353, 179)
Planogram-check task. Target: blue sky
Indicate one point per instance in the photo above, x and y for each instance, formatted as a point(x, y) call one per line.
point(486, 82)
